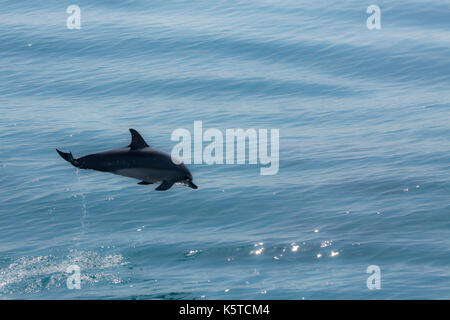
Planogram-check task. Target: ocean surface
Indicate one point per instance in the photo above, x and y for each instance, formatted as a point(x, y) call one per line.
point(364, 171)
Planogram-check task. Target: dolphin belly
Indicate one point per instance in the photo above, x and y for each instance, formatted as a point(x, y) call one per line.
point(148, 174)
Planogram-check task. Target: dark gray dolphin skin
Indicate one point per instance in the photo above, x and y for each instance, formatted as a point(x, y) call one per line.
point(137, 161)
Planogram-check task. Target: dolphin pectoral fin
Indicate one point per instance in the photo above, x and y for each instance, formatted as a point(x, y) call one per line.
point(145, 183)
point(166, 185)
point(137, 142)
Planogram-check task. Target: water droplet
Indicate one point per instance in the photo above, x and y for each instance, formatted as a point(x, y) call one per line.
point(334, 253)
point(326, 243)
point(257, 252)
point(192, 253)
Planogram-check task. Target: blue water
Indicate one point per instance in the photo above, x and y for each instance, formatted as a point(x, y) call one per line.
point(364, 174)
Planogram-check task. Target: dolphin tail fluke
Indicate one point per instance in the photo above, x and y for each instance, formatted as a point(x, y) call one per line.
point(68, 157)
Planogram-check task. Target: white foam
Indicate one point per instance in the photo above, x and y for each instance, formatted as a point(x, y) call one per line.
point(29, 272)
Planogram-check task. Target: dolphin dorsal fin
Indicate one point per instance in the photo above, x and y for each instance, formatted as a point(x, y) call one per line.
point(137, 142)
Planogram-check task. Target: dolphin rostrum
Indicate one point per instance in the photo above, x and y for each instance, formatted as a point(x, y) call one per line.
point(137, 161)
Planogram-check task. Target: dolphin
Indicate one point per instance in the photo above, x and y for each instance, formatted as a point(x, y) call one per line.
point(138, 161)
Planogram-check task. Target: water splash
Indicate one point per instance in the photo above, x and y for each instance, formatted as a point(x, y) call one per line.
point(84, 211)
point(34, 274)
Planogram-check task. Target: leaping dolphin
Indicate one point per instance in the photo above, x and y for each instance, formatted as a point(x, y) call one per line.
point(137, 161)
